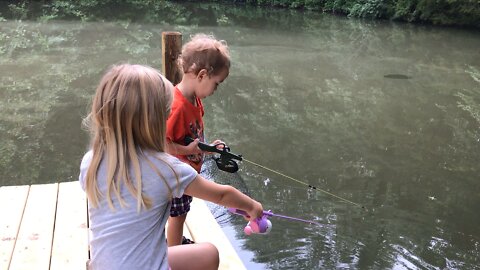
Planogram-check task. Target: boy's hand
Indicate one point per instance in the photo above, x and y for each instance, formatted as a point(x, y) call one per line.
point(219, 144)
point(192, 148)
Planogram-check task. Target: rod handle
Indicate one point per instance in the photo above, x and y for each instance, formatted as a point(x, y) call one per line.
point(243, 213)
point(225, 153)
point(203, 146)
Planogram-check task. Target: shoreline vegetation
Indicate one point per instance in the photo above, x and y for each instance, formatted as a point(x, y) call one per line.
point(458, 13)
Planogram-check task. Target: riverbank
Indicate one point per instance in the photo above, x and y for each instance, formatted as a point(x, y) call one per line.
point(447, 13)
point(444, 13)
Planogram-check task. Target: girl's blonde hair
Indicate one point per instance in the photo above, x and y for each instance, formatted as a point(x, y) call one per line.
point(204, 52)
point(128, 117)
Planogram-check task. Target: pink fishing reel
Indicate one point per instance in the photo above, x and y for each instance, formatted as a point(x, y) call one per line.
point(258, 226)
point(262, 225)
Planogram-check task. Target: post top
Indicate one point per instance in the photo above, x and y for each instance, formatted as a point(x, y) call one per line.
point(171, 33)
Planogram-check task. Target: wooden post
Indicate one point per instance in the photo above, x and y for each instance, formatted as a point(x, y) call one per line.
point(171, 48)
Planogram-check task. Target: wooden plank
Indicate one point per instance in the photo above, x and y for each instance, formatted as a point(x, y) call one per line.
point(12, 204)
point(70, 238)
point(200, 221)
point(34, 241)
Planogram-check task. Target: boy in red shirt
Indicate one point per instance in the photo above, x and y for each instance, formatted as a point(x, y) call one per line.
point(205, 62)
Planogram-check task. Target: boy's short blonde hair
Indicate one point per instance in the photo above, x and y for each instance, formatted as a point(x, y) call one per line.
point(204, 52)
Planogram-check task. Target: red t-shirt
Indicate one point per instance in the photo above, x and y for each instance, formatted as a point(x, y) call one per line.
point(185, 120)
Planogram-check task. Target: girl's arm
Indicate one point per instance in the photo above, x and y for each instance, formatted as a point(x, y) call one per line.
point(224, 195)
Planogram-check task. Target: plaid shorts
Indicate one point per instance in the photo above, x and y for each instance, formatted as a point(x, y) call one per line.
point(180, 206)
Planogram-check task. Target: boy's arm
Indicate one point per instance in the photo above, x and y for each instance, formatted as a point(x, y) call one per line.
point(178, 149)
point(224, 195)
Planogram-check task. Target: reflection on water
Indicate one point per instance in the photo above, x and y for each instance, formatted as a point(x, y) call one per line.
point(385, 115)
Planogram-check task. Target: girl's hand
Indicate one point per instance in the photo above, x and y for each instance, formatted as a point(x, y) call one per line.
point(255, 212)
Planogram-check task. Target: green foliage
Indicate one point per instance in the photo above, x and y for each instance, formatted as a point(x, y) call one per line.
point(337, 6)
point(90, 10)
point(444, 12)
point(441, 12)
point(371, 9)
point(223, 20)
point(19, 10)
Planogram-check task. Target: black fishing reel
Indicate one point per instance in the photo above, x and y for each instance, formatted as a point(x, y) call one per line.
point(226, 161)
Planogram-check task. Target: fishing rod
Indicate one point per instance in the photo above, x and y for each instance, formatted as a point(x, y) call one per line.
point(226, 162)
point(263, 225)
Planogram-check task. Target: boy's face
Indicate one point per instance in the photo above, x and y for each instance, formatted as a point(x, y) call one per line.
point(208, 84)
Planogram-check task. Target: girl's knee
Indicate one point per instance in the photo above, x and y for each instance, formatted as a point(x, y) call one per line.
point(201, 256)
point(213, 253)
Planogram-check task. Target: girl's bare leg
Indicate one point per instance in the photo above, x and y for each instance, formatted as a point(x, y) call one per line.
point(201, 256)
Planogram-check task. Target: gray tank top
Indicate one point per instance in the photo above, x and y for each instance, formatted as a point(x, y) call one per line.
point(124, 238)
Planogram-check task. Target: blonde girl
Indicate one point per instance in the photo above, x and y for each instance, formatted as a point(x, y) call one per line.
point(130, 180)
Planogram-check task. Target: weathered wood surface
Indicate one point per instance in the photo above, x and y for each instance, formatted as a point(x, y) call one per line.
point(204, 228)
point(46, 227)
point(12, 204)
point(43, 227)
point(70, 239)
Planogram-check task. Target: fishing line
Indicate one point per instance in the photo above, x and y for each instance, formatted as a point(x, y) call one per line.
point(301, 182)
point(226, 162)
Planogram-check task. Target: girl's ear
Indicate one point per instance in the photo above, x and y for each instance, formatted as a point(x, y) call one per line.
point(202, 74)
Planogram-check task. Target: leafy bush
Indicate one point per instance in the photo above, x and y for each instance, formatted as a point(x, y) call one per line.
point(441, 12)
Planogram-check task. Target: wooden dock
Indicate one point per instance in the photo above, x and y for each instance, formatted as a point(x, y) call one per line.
point(46, 227)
